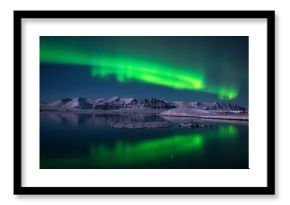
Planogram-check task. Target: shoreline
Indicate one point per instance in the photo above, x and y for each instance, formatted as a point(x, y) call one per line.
point(217, 117)
point(228, 117)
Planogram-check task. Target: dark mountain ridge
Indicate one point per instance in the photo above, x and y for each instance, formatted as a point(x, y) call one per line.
point(118, 103)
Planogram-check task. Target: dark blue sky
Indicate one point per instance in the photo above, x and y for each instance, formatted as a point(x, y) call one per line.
point(224, 60)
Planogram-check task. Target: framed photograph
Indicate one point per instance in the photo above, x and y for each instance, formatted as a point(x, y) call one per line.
point(144, 102)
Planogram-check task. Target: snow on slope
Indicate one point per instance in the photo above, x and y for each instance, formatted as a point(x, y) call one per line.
point(192, 112)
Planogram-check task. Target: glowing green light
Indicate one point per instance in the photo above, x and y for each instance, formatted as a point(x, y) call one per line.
point(155, 149)
point(164, 76)
point(126, 69)
point(227, 131)
point(130, 154)
point(224, 93)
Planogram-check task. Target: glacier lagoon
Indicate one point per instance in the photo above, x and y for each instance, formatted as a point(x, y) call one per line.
point(91, 141)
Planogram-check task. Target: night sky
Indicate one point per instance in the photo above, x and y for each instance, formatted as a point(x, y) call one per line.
point(191, 68)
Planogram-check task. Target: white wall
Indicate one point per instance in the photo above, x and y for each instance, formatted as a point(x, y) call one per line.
point(282, 99)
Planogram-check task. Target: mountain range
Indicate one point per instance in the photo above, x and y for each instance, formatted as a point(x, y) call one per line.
point(118, 103)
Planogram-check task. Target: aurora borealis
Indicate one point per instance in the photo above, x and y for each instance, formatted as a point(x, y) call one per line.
point(165, 70)
point(180, 68)
point(139, 151)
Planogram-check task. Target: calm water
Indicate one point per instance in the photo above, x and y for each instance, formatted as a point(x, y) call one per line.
point(84, 141)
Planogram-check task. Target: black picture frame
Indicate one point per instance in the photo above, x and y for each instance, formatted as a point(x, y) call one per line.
point(269, 189)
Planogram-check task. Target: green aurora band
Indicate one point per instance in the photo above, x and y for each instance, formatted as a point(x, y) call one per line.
point(127, 69)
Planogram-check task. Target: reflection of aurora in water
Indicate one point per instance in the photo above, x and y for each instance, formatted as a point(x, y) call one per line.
point(124, 69)
point(228, 131)
point(127, 154)
point(155, 149)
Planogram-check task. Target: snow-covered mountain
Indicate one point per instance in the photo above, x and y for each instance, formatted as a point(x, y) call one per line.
point(79, 103)
point(59, 103)
point(214, 106)
point(68, 103)
point(200, 113)
point(118, 103)
point(112, 103)
point(131, 103)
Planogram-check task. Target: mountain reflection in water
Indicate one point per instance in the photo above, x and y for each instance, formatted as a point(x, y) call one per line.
point(70, 140)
